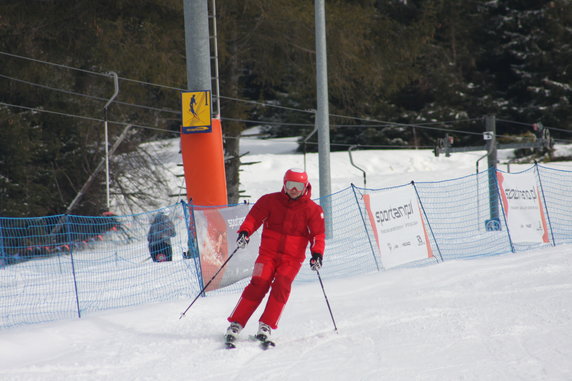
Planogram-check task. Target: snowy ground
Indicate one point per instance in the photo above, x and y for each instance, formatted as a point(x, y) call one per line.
point(501, 318)
point(383, 168)
point(497, 318)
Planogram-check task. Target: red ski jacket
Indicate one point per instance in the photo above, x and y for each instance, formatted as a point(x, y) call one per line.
point(289, 225)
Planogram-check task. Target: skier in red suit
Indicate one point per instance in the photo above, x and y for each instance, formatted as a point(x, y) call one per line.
point(291, 221)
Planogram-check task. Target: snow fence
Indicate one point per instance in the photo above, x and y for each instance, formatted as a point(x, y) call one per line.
point(66, 266)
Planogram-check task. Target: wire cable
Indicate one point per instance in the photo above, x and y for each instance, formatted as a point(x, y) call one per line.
point(94, 97)
point(89, 118)
point(380, 123)
point(262, 104)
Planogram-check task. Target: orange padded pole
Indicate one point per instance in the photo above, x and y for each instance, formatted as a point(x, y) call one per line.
point(203, 163)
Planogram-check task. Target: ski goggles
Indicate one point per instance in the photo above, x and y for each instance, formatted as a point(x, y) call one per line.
point(295, 185)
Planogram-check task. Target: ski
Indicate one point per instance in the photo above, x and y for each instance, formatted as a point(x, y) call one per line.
point(229, 342)
point(266, 344)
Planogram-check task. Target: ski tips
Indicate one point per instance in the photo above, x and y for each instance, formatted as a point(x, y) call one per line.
point(267, 344)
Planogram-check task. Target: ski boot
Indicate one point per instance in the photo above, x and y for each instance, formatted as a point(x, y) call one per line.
point(232, 334)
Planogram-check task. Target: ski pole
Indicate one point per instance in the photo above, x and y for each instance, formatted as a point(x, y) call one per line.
point(209, 282)
point(327, 302)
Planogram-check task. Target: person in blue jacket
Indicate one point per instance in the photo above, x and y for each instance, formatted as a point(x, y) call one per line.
point(159, 237)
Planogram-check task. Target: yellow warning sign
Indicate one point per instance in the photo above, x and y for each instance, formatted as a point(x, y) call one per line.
point(196, 107)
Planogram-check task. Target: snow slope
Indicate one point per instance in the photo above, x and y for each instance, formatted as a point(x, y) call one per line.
point(383, 168)
point(501, 318)
point(507, 317)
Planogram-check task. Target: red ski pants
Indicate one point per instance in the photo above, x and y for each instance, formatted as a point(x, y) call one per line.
point(277, 271)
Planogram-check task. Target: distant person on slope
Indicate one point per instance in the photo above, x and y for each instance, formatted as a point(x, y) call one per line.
point(159, 238)
point(291, 220)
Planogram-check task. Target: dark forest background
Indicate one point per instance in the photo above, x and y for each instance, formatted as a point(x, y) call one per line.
point(400, 74)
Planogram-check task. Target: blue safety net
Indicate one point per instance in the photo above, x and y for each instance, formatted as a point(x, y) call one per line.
point(67, 266)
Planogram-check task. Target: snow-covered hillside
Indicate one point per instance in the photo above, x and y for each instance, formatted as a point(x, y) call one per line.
point(501, 318)
point(383, 168)
point(505, 317)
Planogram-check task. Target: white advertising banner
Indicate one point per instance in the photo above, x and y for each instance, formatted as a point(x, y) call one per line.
point(216, 231)
point(523, 207)
point(399, 230)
